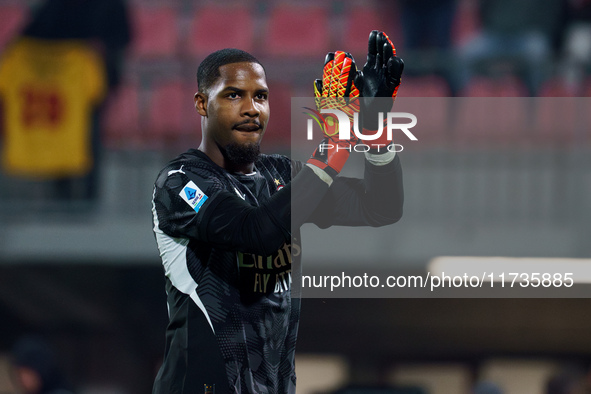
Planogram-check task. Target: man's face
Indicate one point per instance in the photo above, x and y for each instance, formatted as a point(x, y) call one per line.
point(236, 108)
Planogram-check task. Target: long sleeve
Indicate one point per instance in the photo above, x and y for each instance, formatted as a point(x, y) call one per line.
point(200, 202)
point(376, 200)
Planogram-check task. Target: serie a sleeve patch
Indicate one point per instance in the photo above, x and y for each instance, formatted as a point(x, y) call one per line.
point(193, 196)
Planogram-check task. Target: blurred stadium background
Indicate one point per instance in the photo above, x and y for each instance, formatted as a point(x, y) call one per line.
point(88, 276)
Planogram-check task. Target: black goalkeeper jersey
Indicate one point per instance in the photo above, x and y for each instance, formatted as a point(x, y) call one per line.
point(230, 256)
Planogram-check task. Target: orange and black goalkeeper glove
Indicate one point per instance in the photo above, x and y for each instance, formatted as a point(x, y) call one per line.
point(336, 90)
point(338, 87)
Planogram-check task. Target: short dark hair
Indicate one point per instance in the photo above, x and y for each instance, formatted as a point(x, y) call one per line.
point(209, 69)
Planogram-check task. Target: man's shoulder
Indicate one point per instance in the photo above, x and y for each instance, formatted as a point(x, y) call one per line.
point(194, 158)
point(191, 157)
point(192, 162)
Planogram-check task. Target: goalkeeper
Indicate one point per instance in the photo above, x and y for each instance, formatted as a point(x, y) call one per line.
point(223, 225)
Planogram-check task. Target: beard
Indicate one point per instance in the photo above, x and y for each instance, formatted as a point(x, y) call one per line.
point(241, 154)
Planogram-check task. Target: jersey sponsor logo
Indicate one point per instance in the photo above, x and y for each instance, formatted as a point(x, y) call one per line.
point(193, 196)
point(267, 274)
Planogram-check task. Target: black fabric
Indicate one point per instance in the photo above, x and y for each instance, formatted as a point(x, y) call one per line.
point(238, 254)
point(376, 200)
point(230, 246)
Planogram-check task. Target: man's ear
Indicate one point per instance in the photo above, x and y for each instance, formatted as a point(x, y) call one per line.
point(201, 103)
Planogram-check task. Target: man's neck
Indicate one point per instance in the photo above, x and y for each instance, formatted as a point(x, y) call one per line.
point(218, 158)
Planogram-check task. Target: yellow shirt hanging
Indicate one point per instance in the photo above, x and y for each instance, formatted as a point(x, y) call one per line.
point(49, 90)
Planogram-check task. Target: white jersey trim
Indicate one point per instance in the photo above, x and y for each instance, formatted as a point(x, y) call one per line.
point(173, 252)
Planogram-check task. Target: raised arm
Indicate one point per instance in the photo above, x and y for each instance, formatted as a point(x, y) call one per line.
point(378, 198)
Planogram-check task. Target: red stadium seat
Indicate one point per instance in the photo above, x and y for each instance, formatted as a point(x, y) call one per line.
point(13, 19)
point(425, 86)
point(216, 26)
point(170, 112)
point(297, 31)
point(121, 117)
point(466, 21)
point(555, 88)
point(507, 86)
point(359, 21)
point(154, 31)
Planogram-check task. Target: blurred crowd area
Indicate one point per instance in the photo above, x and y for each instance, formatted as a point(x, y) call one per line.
point(452, 48)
